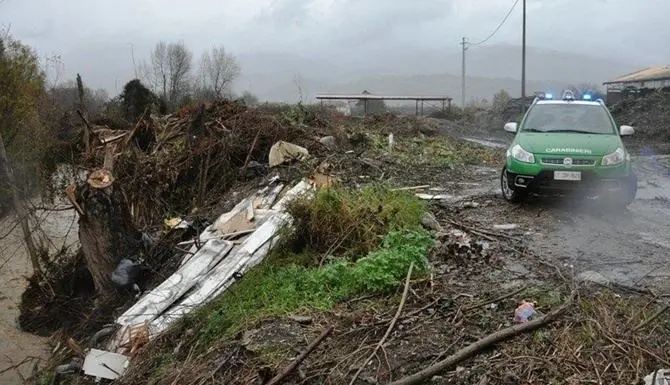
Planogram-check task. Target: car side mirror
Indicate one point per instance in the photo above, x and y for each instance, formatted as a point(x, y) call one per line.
point(626, 130)
point(511, 127)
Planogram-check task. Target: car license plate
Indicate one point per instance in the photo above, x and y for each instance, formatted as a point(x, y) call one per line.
point(567, 175)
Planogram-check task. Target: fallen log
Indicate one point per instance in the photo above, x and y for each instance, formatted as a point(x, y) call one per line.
point(484, 343)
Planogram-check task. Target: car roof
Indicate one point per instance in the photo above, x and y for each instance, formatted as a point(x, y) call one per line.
point(564, 102)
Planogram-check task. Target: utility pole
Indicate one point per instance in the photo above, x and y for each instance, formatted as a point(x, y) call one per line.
point(132, 56)
point(523, 60)
point(465, 47)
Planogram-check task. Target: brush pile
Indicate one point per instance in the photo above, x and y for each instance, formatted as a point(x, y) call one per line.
point(174, 163)
point(649, 114)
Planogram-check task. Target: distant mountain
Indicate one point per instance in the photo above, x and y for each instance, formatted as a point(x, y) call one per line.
point(408, 70)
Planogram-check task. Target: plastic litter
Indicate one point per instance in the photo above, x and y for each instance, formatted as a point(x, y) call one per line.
point(524, 312)
point(659, 377)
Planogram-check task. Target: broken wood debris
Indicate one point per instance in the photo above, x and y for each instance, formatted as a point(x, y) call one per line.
point(202, 276)
point(484, 343)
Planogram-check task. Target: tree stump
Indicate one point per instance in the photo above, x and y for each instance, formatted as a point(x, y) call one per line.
point(106, 231)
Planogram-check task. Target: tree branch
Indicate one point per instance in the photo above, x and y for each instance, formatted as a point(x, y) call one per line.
point(484, 343)
point(391, 325)
point(301, 357)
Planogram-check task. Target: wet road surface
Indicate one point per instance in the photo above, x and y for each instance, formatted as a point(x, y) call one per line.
point(629, 246)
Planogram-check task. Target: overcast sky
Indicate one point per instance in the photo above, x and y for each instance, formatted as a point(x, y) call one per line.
point(95, 36)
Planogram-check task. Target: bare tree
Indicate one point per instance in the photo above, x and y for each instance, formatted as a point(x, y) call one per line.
point(169, 70)
point(218, 70)
point(180, 62)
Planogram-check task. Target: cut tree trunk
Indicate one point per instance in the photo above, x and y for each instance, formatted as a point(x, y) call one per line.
point(106, 231)
point(20, 211)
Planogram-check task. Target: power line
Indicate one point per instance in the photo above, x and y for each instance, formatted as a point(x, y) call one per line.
point(499, 25)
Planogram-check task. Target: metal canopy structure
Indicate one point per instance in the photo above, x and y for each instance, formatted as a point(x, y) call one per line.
point(418, 99)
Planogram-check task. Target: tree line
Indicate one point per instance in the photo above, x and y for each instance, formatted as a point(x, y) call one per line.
point(41, 116)
point(39, 120)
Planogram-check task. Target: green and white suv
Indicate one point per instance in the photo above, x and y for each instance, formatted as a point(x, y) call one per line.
point(568, 145)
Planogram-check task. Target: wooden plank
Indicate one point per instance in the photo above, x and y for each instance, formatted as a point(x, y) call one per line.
point(210, 231)
point(270, 198)
point(156, 301)
point(298, 190)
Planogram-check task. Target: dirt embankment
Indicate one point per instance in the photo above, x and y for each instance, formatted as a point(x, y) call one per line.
point(345, 265)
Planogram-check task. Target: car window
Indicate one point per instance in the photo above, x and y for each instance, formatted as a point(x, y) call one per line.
point(592, 119)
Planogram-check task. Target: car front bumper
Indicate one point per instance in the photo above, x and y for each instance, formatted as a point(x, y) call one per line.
point(544, 182)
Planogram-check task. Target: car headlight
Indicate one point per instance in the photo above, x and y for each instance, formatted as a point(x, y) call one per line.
point(522, 155)
point(614, 158)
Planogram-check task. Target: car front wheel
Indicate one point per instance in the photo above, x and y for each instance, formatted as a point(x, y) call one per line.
point(510, 194)
point(623, 197)
point(629, 190)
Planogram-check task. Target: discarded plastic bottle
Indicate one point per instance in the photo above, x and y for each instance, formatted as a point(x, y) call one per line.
point(524, 311)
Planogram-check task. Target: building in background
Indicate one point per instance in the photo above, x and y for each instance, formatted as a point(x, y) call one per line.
point(638, 82)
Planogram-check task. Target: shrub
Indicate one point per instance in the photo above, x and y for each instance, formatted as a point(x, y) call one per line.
point(349, 222)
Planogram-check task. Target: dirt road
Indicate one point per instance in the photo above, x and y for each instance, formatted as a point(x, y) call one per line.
point(630, 247)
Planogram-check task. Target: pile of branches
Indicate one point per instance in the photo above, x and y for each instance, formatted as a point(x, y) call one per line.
point(172, 164)
point(648, 113)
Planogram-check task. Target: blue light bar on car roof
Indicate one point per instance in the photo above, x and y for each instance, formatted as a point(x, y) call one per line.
point(568, 95)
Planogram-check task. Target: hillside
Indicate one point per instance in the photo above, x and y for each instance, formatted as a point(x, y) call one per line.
point(408, 70)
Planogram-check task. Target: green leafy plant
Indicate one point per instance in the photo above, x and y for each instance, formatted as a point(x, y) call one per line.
point(270, 290)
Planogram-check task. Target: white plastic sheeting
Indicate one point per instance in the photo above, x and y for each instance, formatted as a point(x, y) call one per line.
point(207, 272)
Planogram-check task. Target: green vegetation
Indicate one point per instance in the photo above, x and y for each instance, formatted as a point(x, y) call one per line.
point(349, 222)
point(376, 234)
point(270, 290)
point(437, 150)
point(21, 86)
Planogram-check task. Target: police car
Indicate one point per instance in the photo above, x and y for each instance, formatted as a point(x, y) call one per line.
point(568, 145)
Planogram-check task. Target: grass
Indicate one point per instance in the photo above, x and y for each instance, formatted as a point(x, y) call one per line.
point(344, 222)
point(436, 150)
point(276, 290)
point(343, 243)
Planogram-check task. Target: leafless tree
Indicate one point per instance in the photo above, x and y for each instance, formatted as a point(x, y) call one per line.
point(218, 70)
point(169, 70)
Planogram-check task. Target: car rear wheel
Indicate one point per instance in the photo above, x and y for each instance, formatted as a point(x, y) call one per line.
point(510, 194)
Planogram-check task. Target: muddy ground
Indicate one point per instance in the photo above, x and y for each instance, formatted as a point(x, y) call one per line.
point(626, 248)
point(629, 247)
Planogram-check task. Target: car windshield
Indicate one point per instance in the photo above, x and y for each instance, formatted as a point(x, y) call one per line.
point(573, 117)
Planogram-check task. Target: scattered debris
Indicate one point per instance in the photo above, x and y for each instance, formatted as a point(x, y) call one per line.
point(176, 223)
point(506, 226)
point(285, 152)
point(329, 142)
point(429, 221)
point(658, 377)
point(434, 196)
point(483, 343)
point(524, 312)
point(277, 379)
point(102, 364)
